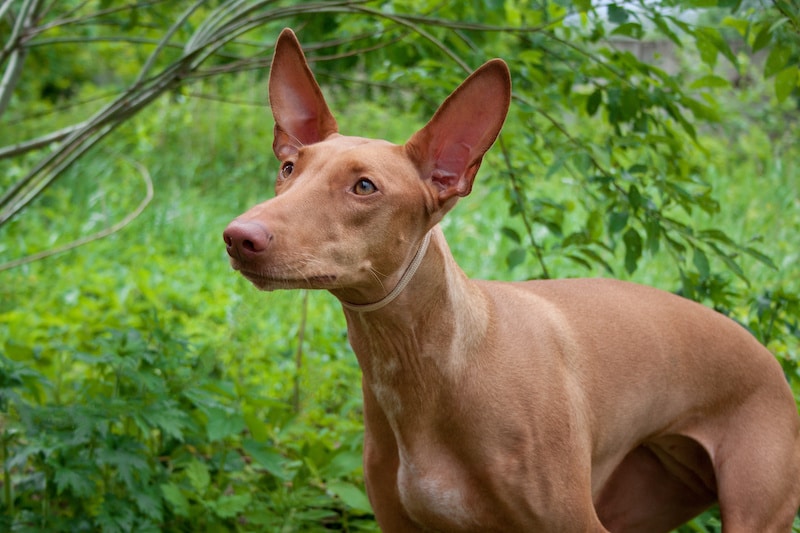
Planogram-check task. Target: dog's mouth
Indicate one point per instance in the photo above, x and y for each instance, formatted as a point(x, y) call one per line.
point(267, 281)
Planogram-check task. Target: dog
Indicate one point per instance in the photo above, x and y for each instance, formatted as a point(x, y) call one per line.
point(553, 405)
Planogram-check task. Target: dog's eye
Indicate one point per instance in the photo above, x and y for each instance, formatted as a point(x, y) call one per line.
point(364, 187)
point(287, 169)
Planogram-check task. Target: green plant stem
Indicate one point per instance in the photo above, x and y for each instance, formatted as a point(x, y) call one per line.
point(7, 477)
point(773, 315)
point(518, 193)
point(298, 356)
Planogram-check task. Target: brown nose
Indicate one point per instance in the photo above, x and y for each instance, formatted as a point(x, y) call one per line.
point(246, 240)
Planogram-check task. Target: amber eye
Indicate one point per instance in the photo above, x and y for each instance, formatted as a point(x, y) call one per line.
point(287, 169)
point(364, 187)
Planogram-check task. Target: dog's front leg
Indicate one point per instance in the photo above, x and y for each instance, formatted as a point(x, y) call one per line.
point(381, 464)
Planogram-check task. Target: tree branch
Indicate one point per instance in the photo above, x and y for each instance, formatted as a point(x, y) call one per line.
point(148, 182)
point(15, 52)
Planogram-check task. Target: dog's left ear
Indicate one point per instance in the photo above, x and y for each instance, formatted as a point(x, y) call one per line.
point(302, 116)
point(449, 149)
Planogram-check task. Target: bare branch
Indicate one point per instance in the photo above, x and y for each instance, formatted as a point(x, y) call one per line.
point(76, 143)
point(39, 142)
point(4, 7)
point(224, 24)
point(104, 39)
point(165, 41)
point(15, 53)
point(130, 217)
point(68, 19)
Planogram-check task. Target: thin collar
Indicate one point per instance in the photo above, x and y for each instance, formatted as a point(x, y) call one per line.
point(404, 281)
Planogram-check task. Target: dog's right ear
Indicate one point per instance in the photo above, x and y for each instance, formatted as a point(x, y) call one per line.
point(301, 115)
point(449, 149)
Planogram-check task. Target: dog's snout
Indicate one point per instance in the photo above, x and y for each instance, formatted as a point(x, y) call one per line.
point(246, 239)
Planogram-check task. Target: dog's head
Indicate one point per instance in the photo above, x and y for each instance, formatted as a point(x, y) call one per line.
point(349, 212)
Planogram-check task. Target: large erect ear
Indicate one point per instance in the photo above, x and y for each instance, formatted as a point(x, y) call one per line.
point(449, 149)
point(301, 115)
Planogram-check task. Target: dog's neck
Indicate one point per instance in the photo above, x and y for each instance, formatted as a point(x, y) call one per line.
point(400, 352)
point(399, 286)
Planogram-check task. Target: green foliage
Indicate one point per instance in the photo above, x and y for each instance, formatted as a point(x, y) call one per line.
point(144, 386)
point(139, 432)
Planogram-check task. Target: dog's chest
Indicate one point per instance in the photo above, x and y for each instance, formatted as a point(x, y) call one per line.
point(436, 498)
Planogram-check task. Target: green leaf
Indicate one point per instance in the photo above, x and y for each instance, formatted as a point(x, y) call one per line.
point(617, 14)
point(664, 28)
point(777, 59)
point(516, 257)
point(128, 457)
point(18, 351)
point(630, 29)
point(617, 221)
point(652, 230)
point(700, 262)
point(149, 502)
point(709, 36)
point(583, 161)
point(740, 25)
point(352, 496)
point(115, 515)
point(630, 103)
point(708, 52)
point(582, 5)
point(556, 165)
point(702, 3)
point(613, 104)
point(512, 234)
point(638, 168)
point(763, 38)
point(343, 464)
point(594, 224)
point(710, 80)
point(175, 498)
point(268, 458)
point(228, 506)
point(165, 415)
point(596, 258)
point(594, 101)
point(765, 259)
point(633, 249)
point(223, 423)
point(675, 113)
point(198, 475)
point(534, 57)
point(785, 83)
point(732, 265)
point(716, 235)
point(79, 482)
point(634, 197)
point(700, 110)
point(257, 428)
point(580, 260)
point(721, 43)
